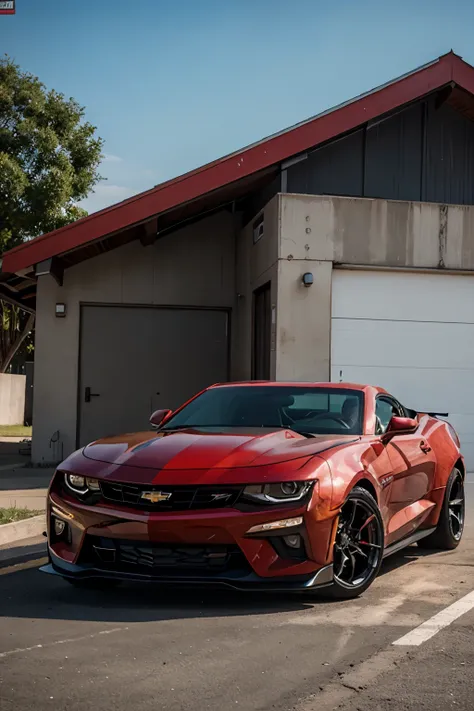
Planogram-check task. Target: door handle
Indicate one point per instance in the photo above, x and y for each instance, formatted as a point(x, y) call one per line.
point(425, 447)
point(88, 395)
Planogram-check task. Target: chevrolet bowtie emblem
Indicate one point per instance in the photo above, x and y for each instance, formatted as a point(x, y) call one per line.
point(155, 497)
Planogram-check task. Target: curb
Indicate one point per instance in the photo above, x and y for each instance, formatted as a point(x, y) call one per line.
point(19, 530)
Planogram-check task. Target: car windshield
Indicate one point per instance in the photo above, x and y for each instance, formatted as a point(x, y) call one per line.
point(309, 410)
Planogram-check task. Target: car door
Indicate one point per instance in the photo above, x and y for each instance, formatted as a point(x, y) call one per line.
point(413, 468)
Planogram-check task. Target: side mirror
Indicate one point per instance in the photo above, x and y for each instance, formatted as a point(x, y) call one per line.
point(402, 425)
point(159, 416)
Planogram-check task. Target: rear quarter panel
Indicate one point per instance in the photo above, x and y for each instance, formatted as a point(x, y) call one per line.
point(444, 446)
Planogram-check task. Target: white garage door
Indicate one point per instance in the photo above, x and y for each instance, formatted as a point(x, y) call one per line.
point(412, 334)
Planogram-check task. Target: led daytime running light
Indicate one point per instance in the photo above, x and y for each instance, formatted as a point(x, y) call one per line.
point(275, 525)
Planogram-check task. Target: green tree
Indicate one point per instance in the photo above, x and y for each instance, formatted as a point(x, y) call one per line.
point(49, 160)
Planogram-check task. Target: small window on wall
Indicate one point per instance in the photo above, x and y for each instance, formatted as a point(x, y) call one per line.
point(258, 229)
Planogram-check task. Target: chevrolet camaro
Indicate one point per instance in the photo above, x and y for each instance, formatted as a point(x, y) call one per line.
point(259, 486)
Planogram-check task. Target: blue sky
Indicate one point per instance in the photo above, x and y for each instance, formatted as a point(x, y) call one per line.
point(173, 84)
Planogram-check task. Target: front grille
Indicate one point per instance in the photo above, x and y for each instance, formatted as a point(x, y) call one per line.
point(180, 557)
point(181, 498)
point(162, 558)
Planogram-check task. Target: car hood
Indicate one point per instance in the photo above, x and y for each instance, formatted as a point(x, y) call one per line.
point(198, 450)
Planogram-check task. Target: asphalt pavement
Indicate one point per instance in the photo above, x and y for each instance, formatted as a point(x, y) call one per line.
point(141, 648)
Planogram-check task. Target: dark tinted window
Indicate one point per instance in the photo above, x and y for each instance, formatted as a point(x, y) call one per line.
point(383, 413)
point(313, 410)
point(385, 409)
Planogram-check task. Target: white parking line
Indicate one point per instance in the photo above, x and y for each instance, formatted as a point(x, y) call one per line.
point(72, 640)
point(432, 626)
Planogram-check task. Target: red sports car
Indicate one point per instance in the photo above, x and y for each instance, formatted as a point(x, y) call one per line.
point(259, 485)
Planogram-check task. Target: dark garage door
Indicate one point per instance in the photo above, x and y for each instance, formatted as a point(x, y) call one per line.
point(135, 360)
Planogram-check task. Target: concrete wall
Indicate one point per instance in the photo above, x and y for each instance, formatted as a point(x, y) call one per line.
point(303, 321)
point(316, 232)
point(256, 264)
point(194, 266)
point(12, 399)
point(377, 232)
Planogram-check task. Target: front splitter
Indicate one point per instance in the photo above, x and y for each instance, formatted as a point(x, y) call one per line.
point(248, 582)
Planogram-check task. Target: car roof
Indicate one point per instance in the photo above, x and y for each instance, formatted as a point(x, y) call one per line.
point(298, 384)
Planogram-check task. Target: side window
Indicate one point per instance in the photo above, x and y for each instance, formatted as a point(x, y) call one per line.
point(384, 411)
point(398, 409)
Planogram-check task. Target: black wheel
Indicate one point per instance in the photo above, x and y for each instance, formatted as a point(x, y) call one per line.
point(93, 583)
point(358, 548)
point(449, 530)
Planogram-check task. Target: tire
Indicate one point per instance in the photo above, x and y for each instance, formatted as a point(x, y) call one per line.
point(449, 530)
point(93, 583)
point(359, 505)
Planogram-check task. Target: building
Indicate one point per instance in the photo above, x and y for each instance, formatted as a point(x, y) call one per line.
point(201, 278)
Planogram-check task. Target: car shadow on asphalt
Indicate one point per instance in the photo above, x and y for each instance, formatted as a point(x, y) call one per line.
point(410, 555)
point(30, 594)
point(43, 597)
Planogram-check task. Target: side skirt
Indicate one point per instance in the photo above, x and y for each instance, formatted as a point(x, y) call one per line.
point(404, 542)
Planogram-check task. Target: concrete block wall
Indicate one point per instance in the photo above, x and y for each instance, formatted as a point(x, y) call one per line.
point(12, 399)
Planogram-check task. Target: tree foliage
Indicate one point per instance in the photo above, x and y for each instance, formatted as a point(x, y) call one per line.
point(49, 157)
point(15, 332)
point(49, 160)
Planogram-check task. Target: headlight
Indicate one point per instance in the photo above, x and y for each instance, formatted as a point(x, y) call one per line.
point(282, 493)
point(81, 484)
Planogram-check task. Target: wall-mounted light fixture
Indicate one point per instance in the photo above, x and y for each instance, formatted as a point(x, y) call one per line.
point(60, 310)
point(307, 279)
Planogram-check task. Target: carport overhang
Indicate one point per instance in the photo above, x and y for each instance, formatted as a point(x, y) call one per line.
point(21, 267)
point(222, 184)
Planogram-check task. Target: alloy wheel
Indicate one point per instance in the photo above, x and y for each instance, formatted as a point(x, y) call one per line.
point(359, 543)
point(456, 505)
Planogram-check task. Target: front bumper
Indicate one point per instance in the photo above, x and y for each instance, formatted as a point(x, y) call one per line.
point(248, 582)
point(199, 548)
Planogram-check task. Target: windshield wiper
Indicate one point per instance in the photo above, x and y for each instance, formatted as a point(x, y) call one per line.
point(247, 427)
point(191, 427)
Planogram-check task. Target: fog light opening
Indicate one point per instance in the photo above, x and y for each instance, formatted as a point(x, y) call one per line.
point(60, 530)
point(293, 541)
point(59, 527)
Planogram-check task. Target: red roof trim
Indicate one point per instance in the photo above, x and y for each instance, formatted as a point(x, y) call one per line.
point(266, 153)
